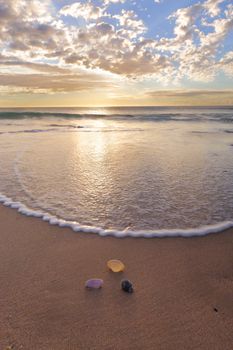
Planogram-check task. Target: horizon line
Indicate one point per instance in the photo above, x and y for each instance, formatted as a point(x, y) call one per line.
point(124, 106)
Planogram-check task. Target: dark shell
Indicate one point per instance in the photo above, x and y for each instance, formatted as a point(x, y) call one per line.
point(127, 286)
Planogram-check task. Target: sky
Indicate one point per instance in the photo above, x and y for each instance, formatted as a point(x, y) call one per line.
point(116, 52)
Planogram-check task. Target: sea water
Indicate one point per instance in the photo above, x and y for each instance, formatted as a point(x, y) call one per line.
point(141, 171)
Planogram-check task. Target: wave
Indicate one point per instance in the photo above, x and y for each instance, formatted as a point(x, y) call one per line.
point(81, 128)
point(24, 115)
point(76, 227)
point(71, 129)
point(40, 115)
point(67, 126)
point(138, 115)
point(26, 131)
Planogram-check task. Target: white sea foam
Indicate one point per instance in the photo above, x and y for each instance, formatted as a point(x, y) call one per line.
point(76, 227)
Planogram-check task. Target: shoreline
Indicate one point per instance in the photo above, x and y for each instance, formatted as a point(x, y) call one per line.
point(182, 299)
point(76, 227)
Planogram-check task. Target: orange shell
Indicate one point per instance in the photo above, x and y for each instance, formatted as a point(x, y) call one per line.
point(115, 265)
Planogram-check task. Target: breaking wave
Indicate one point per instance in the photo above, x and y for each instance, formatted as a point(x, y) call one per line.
point(155, 114)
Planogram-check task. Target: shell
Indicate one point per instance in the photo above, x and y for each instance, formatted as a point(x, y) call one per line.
point(94, 283)
point(127, 286)
point(116, 265)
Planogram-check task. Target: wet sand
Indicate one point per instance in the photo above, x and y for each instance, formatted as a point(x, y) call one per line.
point(183, 295)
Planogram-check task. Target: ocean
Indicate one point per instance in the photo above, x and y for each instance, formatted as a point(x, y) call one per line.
point(126, 171)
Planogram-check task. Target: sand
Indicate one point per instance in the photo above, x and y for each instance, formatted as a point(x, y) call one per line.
point(183, 290)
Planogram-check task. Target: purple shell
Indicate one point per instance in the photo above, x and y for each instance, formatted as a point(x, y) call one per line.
point(94, 283)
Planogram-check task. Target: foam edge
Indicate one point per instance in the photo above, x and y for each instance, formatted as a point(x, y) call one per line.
point(76, 227)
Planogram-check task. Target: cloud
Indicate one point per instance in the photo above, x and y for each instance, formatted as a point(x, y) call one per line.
point(108, 2)
point(226, 64)
point(11, 8)
point(47, 78)
point(192, 97)
point(129, 20)
point(29, 25)
point(188, 93)
point(221, 29)
point(86, 10)
point(185, 21)
point(55, 83)
point(39, 67)
point(212, 7)
point(195, 50)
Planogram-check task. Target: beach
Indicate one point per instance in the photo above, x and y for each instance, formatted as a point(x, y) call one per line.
point(182, 297)
point(116, 143)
